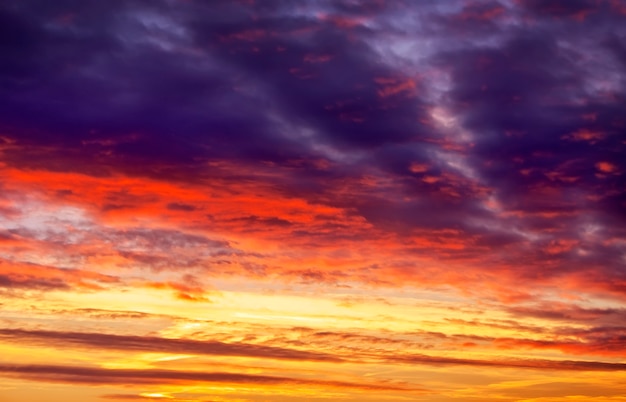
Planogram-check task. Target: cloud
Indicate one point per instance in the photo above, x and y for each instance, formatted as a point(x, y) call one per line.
point(100, 376)
point(175, 206)
point(21, 282)
point(610, 344)
point(534, 364)
point(569, 312)
point(577, 10)
point(154, 344)
point(445, 145)
point(467, 157)
point(29, 276)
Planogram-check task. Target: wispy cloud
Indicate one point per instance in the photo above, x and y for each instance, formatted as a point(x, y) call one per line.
point(100, 376)
point(155, 344)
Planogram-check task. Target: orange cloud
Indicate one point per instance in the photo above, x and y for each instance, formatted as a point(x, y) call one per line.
point(585, 135)
point(396, 87)
point(606, 167)
point(23, 275)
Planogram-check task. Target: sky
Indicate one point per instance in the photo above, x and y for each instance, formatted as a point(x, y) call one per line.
point(316, 200)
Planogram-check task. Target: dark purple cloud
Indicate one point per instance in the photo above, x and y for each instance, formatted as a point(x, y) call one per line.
point(498, 121)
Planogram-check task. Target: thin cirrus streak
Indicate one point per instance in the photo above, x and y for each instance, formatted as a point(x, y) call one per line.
point(90, 375)
point(319, 200)
point(194, 347)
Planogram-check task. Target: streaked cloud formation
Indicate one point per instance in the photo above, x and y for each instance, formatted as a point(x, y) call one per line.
point(267, 200)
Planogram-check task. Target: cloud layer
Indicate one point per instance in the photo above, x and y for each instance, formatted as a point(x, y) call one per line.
point(382, 160)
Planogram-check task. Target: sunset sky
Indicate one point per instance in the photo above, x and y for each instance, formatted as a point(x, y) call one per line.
point(312, 200)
